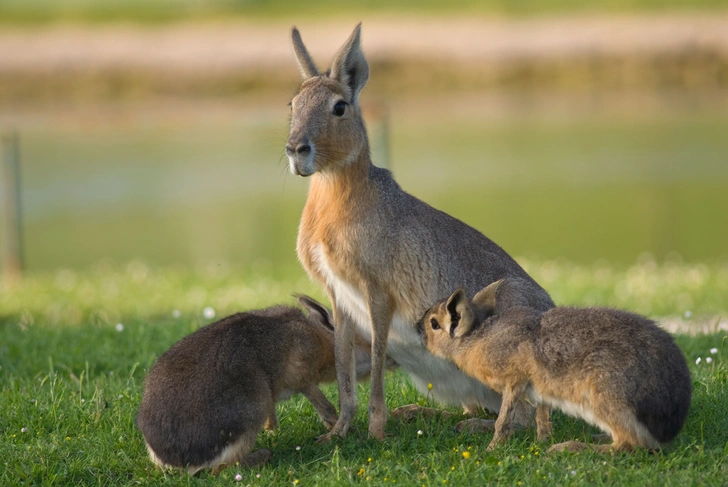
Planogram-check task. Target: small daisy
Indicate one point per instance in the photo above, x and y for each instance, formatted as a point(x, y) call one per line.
point(298, 448)
point(119, 327)
point(708, 360)
point(713, 351)
point(208, 312)
point(23, 430)
point(698, 361)
point(419, 432)
point(176, 313)
point(238, 478)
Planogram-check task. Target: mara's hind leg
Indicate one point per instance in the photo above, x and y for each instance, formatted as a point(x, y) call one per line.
point(543, 422)
point(240, 452)
point(626, 430)
point(256, 459)
point(623, 435)
point(622, 440)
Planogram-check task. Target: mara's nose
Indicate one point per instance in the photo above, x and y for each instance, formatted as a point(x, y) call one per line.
point(299, 149)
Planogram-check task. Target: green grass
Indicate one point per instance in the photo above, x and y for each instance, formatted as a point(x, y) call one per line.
point(72, 383)
point(168, 10)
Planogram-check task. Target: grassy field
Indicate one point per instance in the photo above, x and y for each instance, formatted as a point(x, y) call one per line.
point(75, 348)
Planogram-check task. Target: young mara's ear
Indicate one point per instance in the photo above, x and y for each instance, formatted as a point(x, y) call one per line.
point(316, 311)
point(349, 67)
point(484, 301)
point(305, 63)
point(461, 314)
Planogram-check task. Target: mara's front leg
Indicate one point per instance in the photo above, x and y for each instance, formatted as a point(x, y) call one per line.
point(324, 408)
point(345, 373)
point(381, 311)
point(504, 423)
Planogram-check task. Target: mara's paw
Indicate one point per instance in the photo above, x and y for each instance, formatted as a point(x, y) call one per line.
point(328, 437)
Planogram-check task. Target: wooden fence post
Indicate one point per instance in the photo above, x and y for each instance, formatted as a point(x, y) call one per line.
point(378, 113)
point(13, 248)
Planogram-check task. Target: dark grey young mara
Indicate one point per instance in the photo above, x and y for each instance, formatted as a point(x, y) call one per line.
point(616, 370)
point(207, 398)
point(382, 255)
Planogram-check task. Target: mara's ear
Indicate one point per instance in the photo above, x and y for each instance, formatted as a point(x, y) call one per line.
point(316, 311)
point(305, 63)
point(349, 67)
point(484, 301)
point(460, 312)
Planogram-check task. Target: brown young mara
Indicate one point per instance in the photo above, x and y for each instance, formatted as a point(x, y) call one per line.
point(616, 370)
point(382, 255)
point(207, 398)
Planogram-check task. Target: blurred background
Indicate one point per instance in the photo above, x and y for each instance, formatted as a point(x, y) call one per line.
point(154, 130)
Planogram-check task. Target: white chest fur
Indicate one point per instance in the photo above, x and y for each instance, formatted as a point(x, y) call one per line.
point(450, 385)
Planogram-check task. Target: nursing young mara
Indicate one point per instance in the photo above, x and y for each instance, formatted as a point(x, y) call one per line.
point(382, 255)
point(615, 369)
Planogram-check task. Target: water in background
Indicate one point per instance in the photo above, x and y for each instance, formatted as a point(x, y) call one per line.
point(208, 182)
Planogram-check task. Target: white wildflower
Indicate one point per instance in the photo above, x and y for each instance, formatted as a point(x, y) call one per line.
point(208, 312)
point(708, 360)
point(698, 361)
point(713, 351)
point(119, 327)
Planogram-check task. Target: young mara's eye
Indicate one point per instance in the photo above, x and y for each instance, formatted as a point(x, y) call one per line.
point(435, 324)
point(340, 108)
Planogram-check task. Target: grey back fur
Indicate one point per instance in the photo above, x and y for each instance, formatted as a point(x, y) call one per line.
point(206, 398)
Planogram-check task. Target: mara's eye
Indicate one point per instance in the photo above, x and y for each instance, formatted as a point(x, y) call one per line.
point(435, 324)
point(340, 108)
